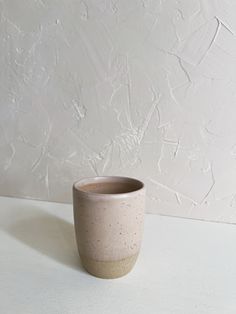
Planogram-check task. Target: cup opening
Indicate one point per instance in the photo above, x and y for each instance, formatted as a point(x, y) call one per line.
point(109, 185)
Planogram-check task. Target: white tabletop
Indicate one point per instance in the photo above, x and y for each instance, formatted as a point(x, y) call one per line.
point(185, 266)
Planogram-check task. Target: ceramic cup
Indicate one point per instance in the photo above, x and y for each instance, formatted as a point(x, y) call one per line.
point(108, 217)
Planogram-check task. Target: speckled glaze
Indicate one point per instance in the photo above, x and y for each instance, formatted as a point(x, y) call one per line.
point(108, 226)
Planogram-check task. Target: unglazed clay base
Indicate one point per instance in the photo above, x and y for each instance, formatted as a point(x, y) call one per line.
point(109, 270)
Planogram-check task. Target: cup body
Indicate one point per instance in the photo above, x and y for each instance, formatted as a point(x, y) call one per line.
point(108, 218)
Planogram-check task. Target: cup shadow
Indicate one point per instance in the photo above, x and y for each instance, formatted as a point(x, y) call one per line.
point(47, 234)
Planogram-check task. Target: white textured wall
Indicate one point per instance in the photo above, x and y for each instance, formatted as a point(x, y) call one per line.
point(138, 88)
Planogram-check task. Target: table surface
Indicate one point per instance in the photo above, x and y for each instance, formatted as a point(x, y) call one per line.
point(185, 266)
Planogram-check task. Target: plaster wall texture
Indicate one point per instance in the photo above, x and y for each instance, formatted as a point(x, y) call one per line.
point(134, 88)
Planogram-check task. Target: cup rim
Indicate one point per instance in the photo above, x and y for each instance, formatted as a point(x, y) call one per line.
point(95, 179)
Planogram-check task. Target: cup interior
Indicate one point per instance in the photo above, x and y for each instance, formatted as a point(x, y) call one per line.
point(109, 185)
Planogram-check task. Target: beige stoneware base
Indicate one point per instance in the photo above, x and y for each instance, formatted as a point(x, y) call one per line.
point(109, 270)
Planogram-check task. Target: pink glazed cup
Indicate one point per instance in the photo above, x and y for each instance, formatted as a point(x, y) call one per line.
point(108, 218)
